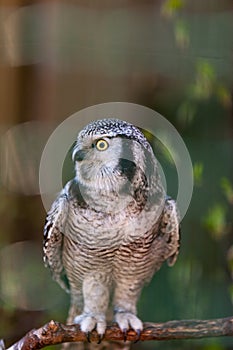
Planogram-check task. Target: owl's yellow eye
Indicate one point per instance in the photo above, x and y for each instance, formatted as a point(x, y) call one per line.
point(101, 145)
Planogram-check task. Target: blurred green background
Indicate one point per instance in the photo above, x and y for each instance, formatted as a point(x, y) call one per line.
point(174, 56)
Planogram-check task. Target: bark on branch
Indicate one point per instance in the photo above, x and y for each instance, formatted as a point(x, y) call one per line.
point(57, 333)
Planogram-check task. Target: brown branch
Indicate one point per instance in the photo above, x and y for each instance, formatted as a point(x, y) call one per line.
point(57, 333)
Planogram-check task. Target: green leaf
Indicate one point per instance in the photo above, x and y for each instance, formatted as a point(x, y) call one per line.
point(224, 95)
point(215, 221)
point(170, 7)
point(182, 34)
point(198, 173)
point(227, 189)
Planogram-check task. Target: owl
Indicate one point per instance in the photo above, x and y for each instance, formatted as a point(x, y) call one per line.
point(111, 227)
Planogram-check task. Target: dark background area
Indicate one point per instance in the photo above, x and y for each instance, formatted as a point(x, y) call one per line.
point(174, 56)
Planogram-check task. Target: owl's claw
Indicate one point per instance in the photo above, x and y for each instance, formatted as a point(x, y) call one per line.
point(124, 331)
point(100, 338)
point(138, 332)
point(88, 335)
point(89, 322)
point(127, 320)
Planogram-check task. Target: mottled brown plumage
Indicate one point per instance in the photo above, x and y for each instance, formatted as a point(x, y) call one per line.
point(111, 227)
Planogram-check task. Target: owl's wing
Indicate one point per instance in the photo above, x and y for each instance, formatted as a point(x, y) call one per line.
point(170, 228)
point(53, 239)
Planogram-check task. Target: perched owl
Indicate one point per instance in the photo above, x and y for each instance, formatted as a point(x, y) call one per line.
point(111, 227)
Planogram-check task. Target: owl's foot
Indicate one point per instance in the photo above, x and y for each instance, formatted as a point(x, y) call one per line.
point(128, 320)
point(90, 321)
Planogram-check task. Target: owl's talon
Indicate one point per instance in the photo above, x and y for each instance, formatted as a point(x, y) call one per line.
point(100, 338)
point(138, 332)
point(90, 321)
point(88, 335)
point(124, 331)
point(128, 320)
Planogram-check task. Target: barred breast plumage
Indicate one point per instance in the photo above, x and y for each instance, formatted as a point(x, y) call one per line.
point(111, 227)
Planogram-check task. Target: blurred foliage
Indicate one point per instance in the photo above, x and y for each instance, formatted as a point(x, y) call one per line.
point(204, 82)
point(205, 86)
point(213, 346)
point(171, 7)
point(182, 34)
point(224, 95)
point(230, 266)
point(230, 260)
point(186, 112)
point(227, 189)
point(215, 220)
point(169, 64)
point(198, 168)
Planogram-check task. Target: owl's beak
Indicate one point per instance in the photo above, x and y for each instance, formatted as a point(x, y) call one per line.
point(79, 155)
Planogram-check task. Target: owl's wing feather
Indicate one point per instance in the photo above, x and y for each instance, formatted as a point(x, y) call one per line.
point(170, 227)
point(53, 239)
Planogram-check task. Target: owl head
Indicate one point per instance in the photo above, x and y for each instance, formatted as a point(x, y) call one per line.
point(108, 153)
